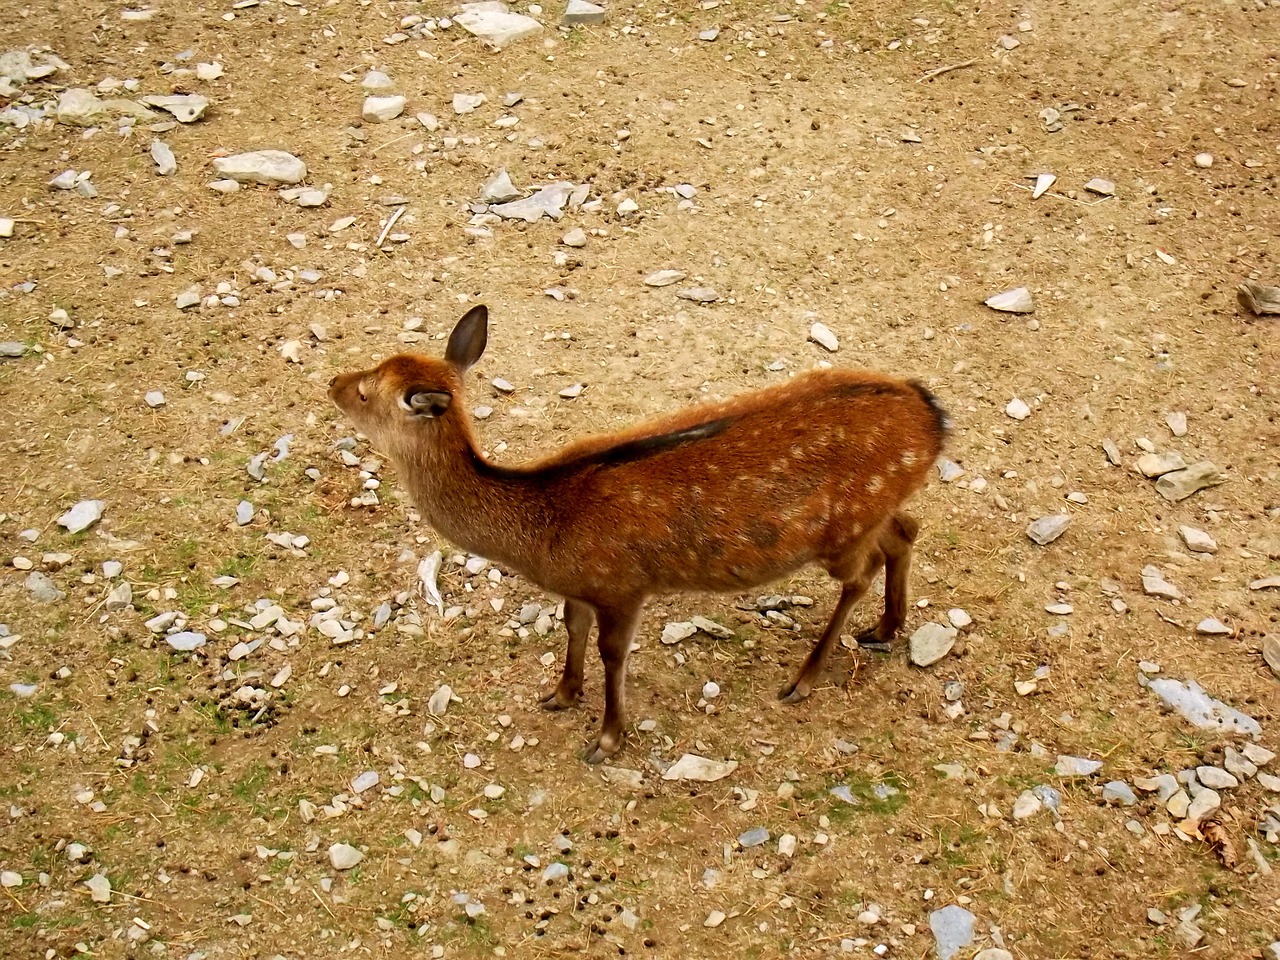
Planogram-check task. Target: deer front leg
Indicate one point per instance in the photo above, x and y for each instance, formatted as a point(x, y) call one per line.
point(617, 628)
point(578, 618)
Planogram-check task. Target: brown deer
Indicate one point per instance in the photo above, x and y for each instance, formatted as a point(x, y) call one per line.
point(720, 497)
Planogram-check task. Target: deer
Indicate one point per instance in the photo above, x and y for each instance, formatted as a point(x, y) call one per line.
point(715, 498)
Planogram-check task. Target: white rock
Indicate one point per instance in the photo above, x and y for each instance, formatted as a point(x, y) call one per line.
point(1017, 300)
point(714, 918)
point(439, 702)
point(1045, 530)
point(693, 767)
point(1043, 182)
point(1155, 585)
point(1027, 805)
point(959, 618)
point(710, 690)
point(365, 781)
point(821, 334)
point(382, 109)
point(186, 641)
point(6, 227)
point(1068, 766)
point(495, 24)
point(1196, 706)
point(930, 643)
point(209, 71)
point(549, 201)
point(188, 107)
point(1177, 423)
point(1216, 778)
point(1197, 541)
point(467, 102)
point(1204, 160)
point(577, 237)
point(99, 888)
point(1213, 627)
point(675, 632)
point(153, 399)
point(376, 80)
point(499, 189)
point(343, 856)
point(82, 516)
point(787, 845)
point(663, 278)
point(166, 163)
point(10, 879)
point(1204, 803)
point(582, 13)
point(271, 167)
point(1104, 188)
point(1017, 409)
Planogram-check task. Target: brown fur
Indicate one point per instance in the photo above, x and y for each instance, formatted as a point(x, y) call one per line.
point(719, 497)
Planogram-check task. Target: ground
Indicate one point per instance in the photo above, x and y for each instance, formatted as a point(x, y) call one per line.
point(836, 181)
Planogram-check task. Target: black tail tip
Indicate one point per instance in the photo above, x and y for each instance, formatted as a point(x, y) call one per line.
point(940, 416)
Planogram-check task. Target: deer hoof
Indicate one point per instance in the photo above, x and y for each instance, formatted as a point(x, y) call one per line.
point(598, 751)
point(558, 701)
point(793, 693)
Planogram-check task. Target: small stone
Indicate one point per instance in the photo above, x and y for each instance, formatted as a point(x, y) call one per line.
point(959, 618)
point(690, 766)
point(753, 837)
point(627, 206)
point(663, 278)
point(1045, 530)
point(99, 888)
point(1197, 541)
point(948, 470)
point(272, 167)
point(1117, 791)
point(186, 641)
point(1104, 188)
point(708, 35)
point(1155, 585)
point(209, 71)
point(439, 702)
point(1154, 465)
point(581, 13)
point(952, 928)
point(675, 632)
point(120, 597)
point(698, 294)
point(1027, 805)
point(153, 399)
point(1017, 409)
point(711, 628)
point(1237, 764)
point(1017, 300)
point(572, 392)
point(714, 919)
point(555, 871)
point(1204, 803)
point(187, 299)
point(1204, 160)
point(12, 349)
point(1111, 450)
point(1216, 778)
point(166, 163)
point(376, 80)
point(343, 856)
point(1271, 654)
point(365, 781)
point(787, 845)
point(6, 227)
point(1181, 484)
point(467, 102)
point(9, 879)
point(1258, 754)
point(576, 237)
point(710, 690)
point(382, 109)
point(930, 643)
point(187, 107)
point(1069, 766)
point(495, 24)
point(82, 516)
point(1213, 627)
point(546, 202)
point(1177, 423)
point(821, 334)
point(244, 513)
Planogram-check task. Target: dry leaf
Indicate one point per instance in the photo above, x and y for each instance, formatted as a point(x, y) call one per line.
point(1215, 834)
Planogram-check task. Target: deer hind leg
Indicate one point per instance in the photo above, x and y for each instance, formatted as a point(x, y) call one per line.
point(856, 569)
point(896, 545)
point(578, 618)
point(617, 629)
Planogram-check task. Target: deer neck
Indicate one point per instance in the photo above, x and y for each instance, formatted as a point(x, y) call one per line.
point(490, 511)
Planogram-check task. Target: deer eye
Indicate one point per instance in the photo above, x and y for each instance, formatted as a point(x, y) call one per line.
point(360, 392)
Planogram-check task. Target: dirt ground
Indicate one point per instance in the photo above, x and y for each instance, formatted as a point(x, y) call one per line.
point(835, 181)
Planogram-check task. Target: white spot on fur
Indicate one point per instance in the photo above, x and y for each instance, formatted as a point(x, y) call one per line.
point(874, 484)
point(908, 459)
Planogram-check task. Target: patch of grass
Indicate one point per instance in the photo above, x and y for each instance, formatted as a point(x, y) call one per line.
point(38, 716)
point(241, 565)
point(249, 787)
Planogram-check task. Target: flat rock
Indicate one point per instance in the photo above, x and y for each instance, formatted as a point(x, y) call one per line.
point(468, 102)
point(1237, 764)
point(187, 108)
point(821, 334)
point(663, 278)
point(12, 349)
point(166, 162)
point(495, 24)
point(1155, 585)
point(754, 837)
point(1045, 530)
point(1017, 300)
point(581, 13)
point(952, 928)
point(577, 237)
point(1068, 766)
point(1271, 654)
point(1213, 627)
point(1197, 541)
point(930, 643)
point(1158, 464)
point(1117, 791)
point(376, 80)
point(1177, 423)
point(1103, 188)
point(711, 628)
point(1027, 805)
point(698, 294)
point(82, 516)
point(1163, 786)
point(186, 641)
point(1258, 298)
point(1197, 707)
point(439, 702)
point(1203, 804)
point(1216, 778)
point(1017, 409)
point(680, 630)
point(99, 888)
point(693, 767)
point(343, 856)
point(1265, 583)
point(499, 188)
point(42, 589)
point(1181, 484)
point(381, 109)
point(272, 167)
point(549, 201)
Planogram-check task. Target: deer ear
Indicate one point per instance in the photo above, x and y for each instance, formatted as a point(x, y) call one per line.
point(427, 404)
point(468, 339)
